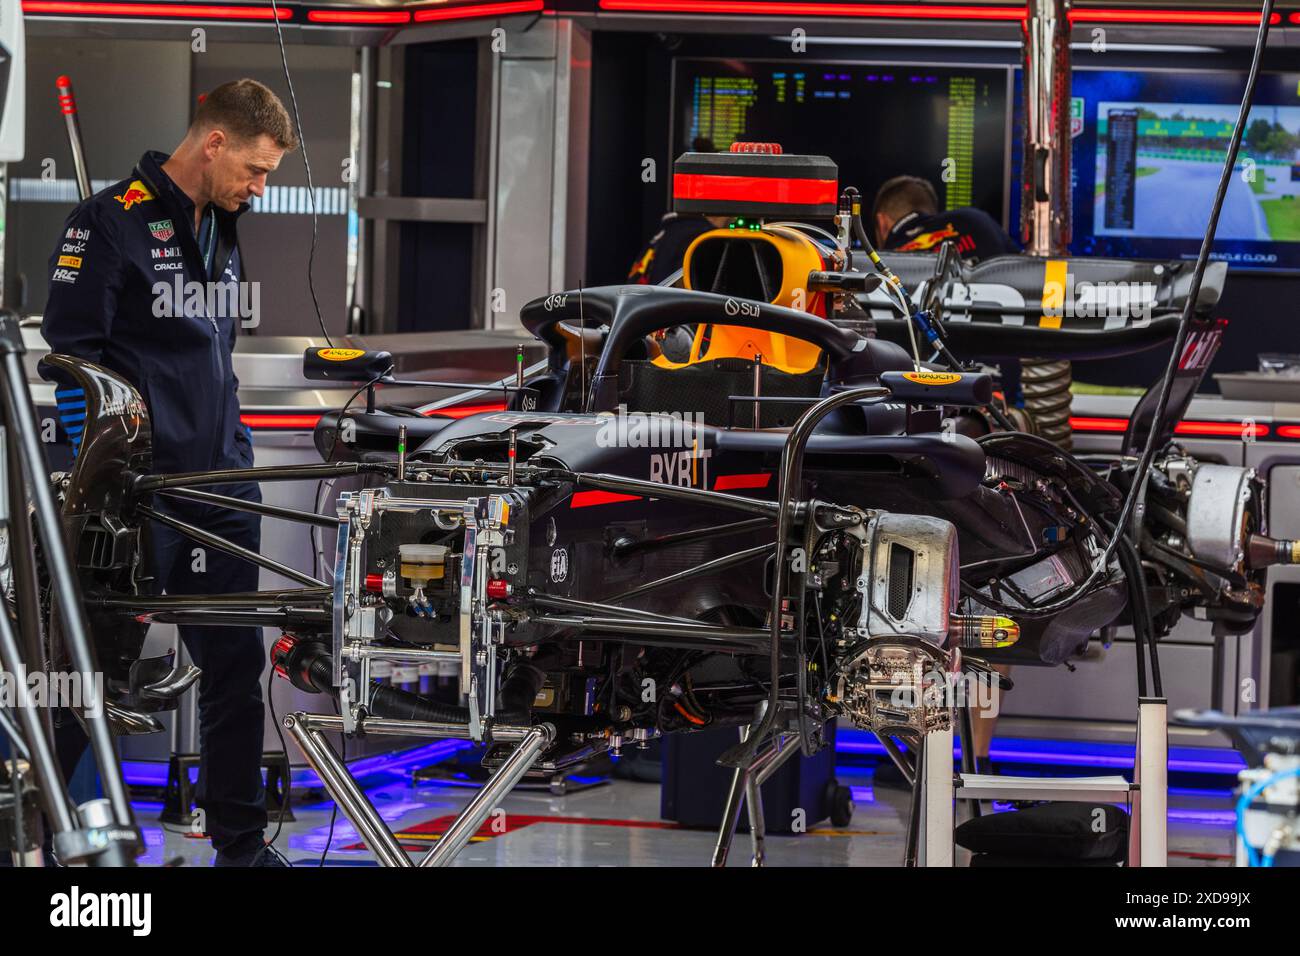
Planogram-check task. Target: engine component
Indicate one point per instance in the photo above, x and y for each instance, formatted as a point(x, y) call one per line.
point(1263, 552)
point(893, 677)
point(909, 578)
point(984, 631)
point(890, 687)
point(1217, 513)
point(303, 663)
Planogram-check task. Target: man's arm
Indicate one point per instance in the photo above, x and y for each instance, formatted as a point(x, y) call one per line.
point(243, 435)
point(86, 277)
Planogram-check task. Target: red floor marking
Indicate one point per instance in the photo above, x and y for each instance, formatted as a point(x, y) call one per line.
point(1191, 855)
point(418, 837)
point(435, 828)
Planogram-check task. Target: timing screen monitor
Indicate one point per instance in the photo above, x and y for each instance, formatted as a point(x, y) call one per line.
point(1148, 152)
point(947, 124)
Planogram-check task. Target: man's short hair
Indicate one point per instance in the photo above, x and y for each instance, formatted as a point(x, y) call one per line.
point(903, 195)
point(246, 109)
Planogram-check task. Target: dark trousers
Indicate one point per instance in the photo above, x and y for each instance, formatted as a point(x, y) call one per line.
point(231, 720)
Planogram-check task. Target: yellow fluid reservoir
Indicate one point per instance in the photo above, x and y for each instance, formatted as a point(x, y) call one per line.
point(421, 563)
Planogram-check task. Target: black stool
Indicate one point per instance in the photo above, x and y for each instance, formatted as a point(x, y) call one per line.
point(178, 795)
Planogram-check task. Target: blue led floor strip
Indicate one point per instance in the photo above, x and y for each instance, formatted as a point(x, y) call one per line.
point(150, 773)
point(1066, 753)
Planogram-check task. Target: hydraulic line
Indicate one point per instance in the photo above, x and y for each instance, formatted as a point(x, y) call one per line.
point(309, 666)
point(914, 317)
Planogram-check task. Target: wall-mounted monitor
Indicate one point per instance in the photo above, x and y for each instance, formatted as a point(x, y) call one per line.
point(13, 81)
point(1149, 147)
point(949, 124)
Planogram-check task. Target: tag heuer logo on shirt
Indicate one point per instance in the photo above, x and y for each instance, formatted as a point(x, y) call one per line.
point(162, 230)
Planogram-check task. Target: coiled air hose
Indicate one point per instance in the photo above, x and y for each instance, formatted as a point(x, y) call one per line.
point(309, 666)
point(1046, 385)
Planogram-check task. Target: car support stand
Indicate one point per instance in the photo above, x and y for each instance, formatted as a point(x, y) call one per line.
point(746, 788)
point(1148, 833)
point(1147, 796)
point(309, 730)
point(935, 760)
point(100, 832)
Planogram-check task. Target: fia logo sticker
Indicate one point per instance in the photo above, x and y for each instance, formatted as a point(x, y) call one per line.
point(559, 565)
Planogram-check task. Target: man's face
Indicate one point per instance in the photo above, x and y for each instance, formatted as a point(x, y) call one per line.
point(237, 169)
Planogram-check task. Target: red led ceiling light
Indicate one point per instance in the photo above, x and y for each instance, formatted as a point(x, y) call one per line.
point(1087, 424)
point(909, 11)
point(1222, 429)
point(1177, 17)
point(155, 11)
point(937, 11)
point(1204, 428)
point(469, 10)
point(359, 17)
point(256, 420)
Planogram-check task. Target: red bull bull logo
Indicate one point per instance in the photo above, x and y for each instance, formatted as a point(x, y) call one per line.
point(928, 240)
point(137, 192)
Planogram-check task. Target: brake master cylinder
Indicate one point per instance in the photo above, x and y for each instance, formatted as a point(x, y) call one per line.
point(420, 564)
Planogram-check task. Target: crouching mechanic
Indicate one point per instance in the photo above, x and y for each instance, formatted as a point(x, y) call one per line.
point(117, 269)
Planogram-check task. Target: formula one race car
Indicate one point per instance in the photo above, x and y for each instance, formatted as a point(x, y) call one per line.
point(799, 520)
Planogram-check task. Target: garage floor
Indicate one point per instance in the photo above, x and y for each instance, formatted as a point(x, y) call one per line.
point(618, 824)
